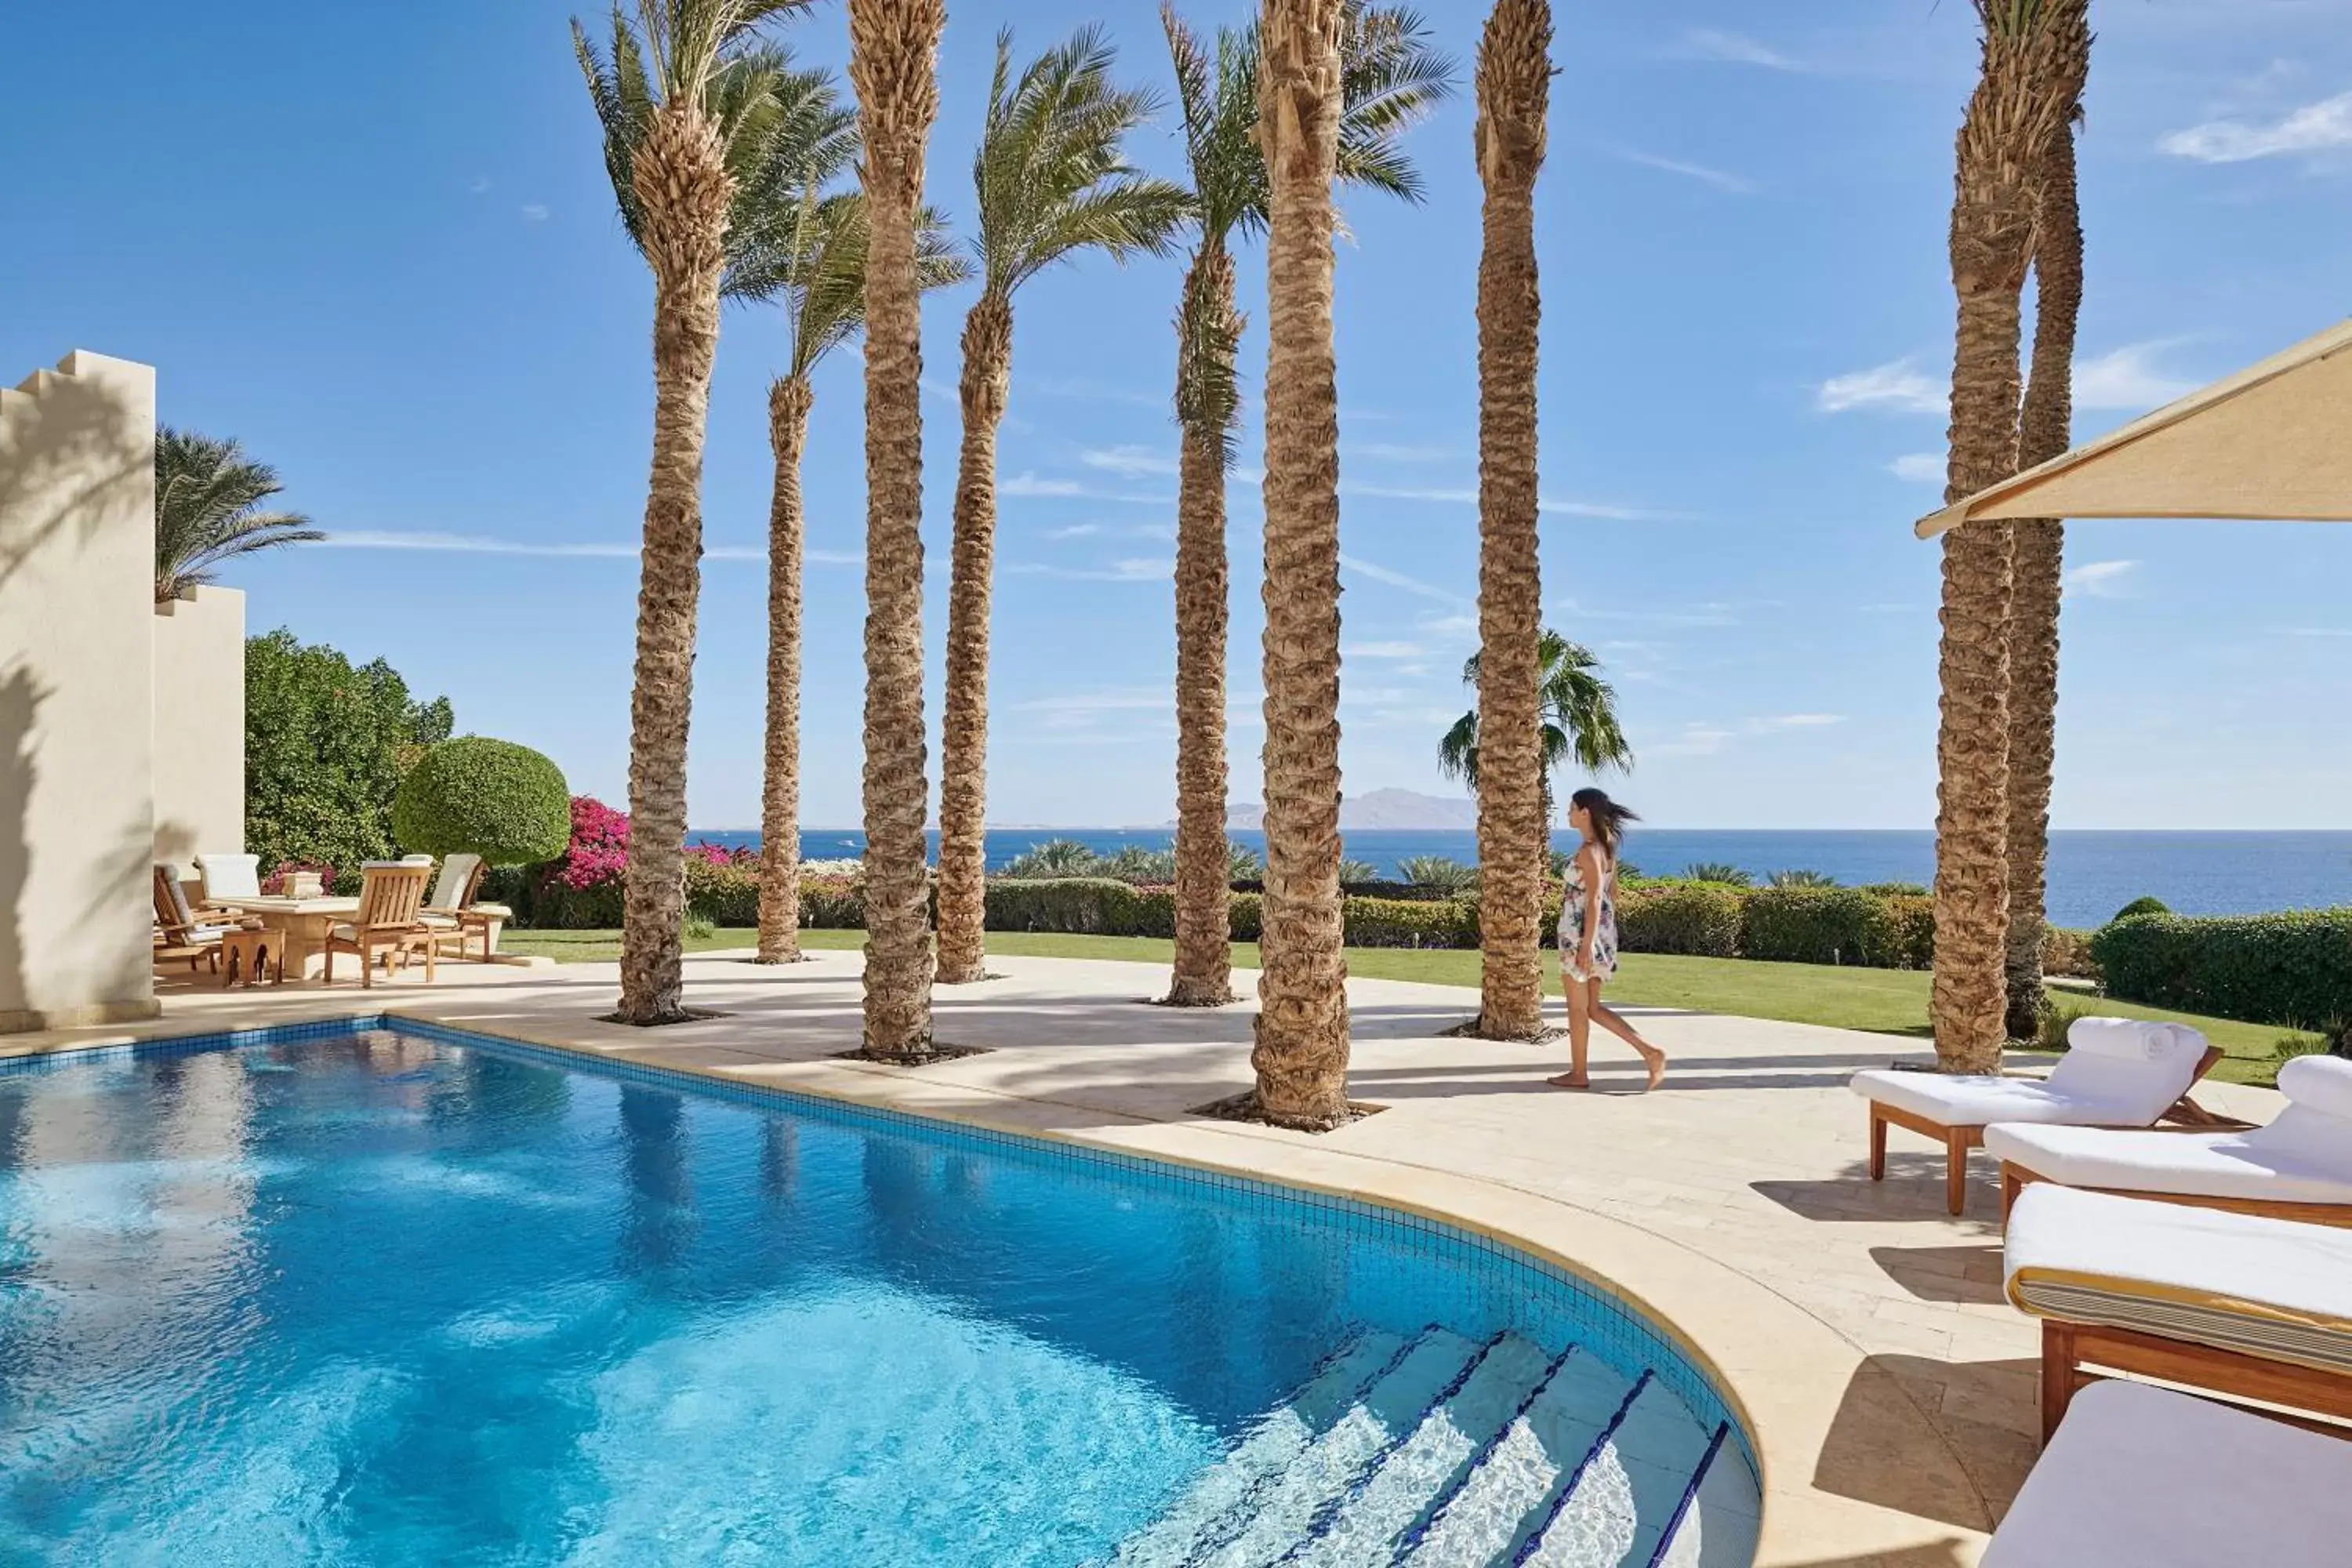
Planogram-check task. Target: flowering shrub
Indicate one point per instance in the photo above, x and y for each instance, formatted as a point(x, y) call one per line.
point(273, 884)
point(599, 850)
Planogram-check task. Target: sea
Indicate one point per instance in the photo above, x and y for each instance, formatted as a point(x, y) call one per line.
point(2093, 872)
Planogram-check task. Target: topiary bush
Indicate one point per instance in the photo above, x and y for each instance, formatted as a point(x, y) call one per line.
point(475, 795)
point(2144, 906)
point(1700, 918)
point(2265, 969)
point(1794, 923)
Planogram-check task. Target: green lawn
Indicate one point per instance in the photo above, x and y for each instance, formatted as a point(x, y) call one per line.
point(1883, 1001)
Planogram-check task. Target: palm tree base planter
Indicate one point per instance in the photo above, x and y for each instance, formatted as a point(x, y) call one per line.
point(1475, 1029)
point(934, 1052)
point(683, 1016)
point(1192, 994)
point(1245, 1108)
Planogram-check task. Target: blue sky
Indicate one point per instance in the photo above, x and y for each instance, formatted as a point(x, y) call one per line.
point(377, 244)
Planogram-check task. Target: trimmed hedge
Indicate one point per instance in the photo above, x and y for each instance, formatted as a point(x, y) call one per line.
point(2294, 969)
point(1700, 918)
point(475, 795)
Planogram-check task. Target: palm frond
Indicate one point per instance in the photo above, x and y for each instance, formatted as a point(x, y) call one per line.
point(824, 303)
point(1390, 80)
point(209, 498)
point(1579, 715)
point(1051, 172)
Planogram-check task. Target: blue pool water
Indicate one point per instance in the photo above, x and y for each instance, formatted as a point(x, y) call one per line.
point(373, 1297)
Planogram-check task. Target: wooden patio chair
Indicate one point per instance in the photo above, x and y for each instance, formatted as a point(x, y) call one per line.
point(392, 895)
point(178, 933)
point(450, 911)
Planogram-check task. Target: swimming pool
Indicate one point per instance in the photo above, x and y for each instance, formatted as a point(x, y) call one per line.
point(343, 1293)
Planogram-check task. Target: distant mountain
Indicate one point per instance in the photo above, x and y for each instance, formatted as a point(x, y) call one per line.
point(1381, 810)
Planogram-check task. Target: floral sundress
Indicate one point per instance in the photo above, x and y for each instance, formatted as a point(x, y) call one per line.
point(1571, 925)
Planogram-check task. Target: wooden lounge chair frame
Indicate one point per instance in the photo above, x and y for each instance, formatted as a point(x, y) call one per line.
point(2015, 1178)
point(468, 918)
point(175, 937)
point(1957, 1139)
point(2066, 1348)
point(386, 923)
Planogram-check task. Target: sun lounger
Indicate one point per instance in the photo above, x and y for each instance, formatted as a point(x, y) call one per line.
point(178, 933)
point(2117, 1072)
point(2255, 1308)
point(449, 910)
point(2146, 1478)
point(2298, 1167)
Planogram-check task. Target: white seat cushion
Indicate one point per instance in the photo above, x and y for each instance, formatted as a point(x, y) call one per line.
point(1975, 1100)
point(2304, 1157)
point(2145, 1477)
point(450, 886)
point(229, 876)
point(2268, 1288)
point(437, 919)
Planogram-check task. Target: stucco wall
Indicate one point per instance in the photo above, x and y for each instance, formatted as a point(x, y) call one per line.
point(77, 693)
point(199, 725)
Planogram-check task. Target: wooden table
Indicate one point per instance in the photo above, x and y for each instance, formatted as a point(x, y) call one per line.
point(304, 923)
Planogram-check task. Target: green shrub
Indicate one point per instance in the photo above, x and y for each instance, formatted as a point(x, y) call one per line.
point(1401, 923)
point(723, 895)
point(1800, 878)
point(2068, 953)
point(1795, 923)
point(1898, 890)
point(475, 795)
point(2143, 906)
point(697, 927)
point(1081, 906)
point(1702, 919)
point(833, 903)
point(1914, 915)
point(2263, 969)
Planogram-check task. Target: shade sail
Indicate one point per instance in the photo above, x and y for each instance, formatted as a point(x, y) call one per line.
point(2273, 442)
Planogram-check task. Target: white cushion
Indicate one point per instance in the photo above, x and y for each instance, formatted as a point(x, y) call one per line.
point(2139, 1067)
point(2145, 1477)
point(456, 871)
point(1976, 1100)
point(2304, 1157)
point(228, 877)
point(2179, 1253)
point(2323, 1084)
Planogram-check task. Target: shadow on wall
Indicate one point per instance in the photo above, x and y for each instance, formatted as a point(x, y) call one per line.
point(60, 432)
point(20, 701)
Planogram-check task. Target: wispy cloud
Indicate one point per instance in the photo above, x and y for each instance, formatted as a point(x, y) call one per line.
point(1396, 452)
point(1919, 467)
point(1383, 650)
point(1898, 385)
point(2099, 579)
point(1705, 174)
point(2128, 378)
point(2314, 128)
point(1395, 579)
point(481, 186)
point(1128, 462)
point(1732, 48)
point(1077, 530)
point(1795, 722)
point(2311, 631)
point(1028, 484)
point(1135, 569)
point(534, 212)
point(580, 549)
point(1708, 737)
point(1458, 495)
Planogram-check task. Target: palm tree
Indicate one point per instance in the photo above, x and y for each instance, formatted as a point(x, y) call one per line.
point(1390, 78)
point(208, 497)
point(2018, 106)
point(686, 100)
point(801, 243)
point(1301, 1052)
point(1052, 181)
point(2037, 566)
point(1514, 804)
point(1577, 720)
point(894, 66)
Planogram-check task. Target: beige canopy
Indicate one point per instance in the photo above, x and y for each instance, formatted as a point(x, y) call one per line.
point(2273, 442)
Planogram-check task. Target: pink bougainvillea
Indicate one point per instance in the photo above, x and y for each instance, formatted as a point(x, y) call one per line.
point(599, 851)
point(711, 854)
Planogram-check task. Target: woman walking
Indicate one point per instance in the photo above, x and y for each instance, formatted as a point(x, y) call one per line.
point(1588, 935)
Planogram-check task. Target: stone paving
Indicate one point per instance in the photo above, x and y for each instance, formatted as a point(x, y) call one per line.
point(1859, 1329)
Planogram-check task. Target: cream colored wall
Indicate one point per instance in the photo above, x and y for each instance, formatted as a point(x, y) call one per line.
point(77, 693)
point(199, 725)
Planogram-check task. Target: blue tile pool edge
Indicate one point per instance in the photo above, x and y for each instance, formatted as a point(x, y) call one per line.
point(1672, 1358)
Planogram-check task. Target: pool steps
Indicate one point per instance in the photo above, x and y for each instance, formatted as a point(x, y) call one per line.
point(1440, 1452)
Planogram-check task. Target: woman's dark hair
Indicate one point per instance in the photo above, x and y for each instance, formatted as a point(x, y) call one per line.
point(1609, 818)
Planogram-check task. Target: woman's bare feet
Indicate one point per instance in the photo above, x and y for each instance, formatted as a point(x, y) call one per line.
point(1570, 1080)
point(1655, 1061)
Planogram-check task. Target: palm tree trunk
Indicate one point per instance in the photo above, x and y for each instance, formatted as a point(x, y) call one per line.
point(1301, 1054)
point(893, 65)
point(963, 749)
point(680, 178)
point(789, 400)
point(2038, 571)
point(2001, 140)
point(1513, 87)
point(1208, 337)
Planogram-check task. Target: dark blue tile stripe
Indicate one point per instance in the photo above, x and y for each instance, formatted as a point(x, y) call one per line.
point(1613, 1328)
